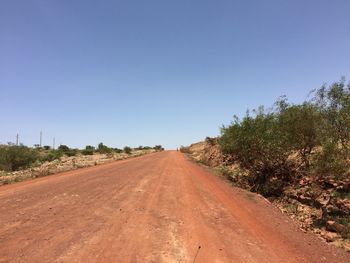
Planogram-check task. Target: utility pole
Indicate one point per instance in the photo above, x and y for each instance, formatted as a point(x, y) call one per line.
point(41, 138)
point(53, 143)
point(17, 139)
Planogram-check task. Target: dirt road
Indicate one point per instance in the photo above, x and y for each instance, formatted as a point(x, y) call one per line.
point(155, 208)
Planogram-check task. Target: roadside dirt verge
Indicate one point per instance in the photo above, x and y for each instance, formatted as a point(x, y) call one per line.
point(66, 164)
point(318, 205)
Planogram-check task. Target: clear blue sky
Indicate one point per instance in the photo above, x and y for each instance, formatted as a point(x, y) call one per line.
point(159, 72)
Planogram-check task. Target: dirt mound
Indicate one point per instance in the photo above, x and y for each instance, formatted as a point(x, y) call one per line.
point(208, 152)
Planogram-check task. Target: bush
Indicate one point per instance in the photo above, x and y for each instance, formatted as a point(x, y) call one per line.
point(127, 149)
point(260, 146)
point(89, 150)
point(300, 125)
point(63, 148)
point(71, 152)
point(267, 143)
point(13, 158)
point(52, 155)
point(334, 104)
point(147, 148)
point(103, 148)
point(118, 150)
point(158, 148)
point(331, 161)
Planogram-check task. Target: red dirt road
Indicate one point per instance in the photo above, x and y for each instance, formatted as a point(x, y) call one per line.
point(155, 208)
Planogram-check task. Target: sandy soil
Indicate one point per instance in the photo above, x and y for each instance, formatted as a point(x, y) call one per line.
point(155, 208)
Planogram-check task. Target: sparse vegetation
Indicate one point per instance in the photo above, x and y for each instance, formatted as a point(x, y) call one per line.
point(18, 163)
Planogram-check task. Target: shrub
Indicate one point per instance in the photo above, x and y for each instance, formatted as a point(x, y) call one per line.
point(300, 125)
point(334, 104)
point(117, 150)
point(63, 148)
point(260, 146)
point(330, 161)
point(317, 130)
point(103, 148)
point(89, 150)
point(71, 152)
point(158, 148)
point(147, 148)
point(13, 158)
point(127, 149)
point(52, 155)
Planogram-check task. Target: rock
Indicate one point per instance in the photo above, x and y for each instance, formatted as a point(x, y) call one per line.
point(334, 226)
point(323, 199)
point(329, 236)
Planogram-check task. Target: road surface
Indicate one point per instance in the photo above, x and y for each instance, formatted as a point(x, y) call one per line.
point(156, 208)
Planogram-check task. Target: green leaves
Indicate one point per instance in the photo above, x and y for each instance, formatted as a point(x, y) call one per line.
point(276, 144)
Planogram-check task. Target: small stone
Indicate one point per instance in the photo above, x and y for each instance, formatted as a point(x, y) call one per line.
point(334, 226)
point(329, 236)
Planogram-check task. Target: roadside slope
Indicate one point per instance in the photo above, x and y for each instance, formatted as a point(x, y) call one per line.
point(155, 208)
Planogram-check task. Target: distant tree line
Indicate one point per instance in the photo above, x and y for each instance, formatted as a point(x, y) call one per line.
point(16, 157)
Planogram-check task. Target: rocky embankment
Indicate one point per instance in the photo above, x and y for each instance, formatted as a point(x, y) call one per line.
point(65, 164)
point(320, 205)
